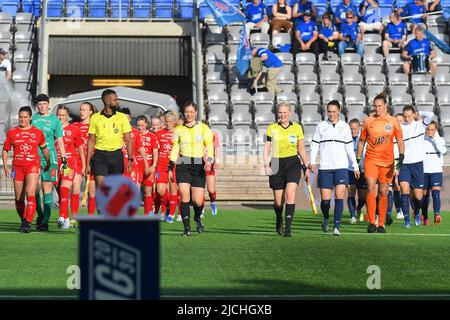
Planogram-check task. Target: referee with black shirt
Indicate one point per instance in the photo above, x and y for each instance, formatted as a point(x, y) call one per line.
point(107, 131)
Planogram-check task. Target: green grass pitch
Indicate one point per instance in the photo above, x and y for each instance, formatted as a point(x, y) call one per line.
point(241, 256)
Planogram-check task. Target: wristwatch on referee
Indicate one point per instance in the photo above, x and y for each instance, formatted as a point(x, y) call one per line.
point(209, 160)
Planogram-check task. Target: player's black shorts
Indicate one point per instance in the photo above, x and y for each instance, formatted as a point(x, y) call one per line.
point(192, 171)
point(284, 171)
point(106, 163)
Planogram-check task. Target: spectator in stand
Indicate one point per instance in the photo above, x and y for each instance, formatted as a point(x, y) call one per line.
point(341, 11)
point(256, 17)
point(350, 35)
point(395, 34)
point(300, 8)
point(419, 45)
point(306, 36)
point(369, 11)
point(433, 6)
point(414, 8)
point(5, 65)
point(282, 14)
point(328, 35)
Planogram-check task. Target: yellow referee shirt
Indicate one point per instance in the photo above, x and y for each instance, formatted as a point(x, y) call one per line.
point(109, 131)
point(191, 142)
point(284, 140)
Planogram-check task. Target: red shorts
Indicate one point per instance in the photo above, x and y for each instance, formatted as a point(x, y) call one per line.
point(74, 169)
point(20, 172)
point(162, 176)
point(141, 178)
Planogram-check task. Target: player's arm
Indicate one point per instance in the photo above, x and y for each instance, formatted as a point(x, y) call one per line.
point(398, 133)
point(155, 159)
point(304, 157)
point(351, 152)
point(80, 150)
point(174, 153)
point(315, 144)
point(208, 138)
point(46, 154)
point(90, 150)
point(129, 144)
point(361, 142)
point(440, 145)
point(427, 117)
point(5, 162)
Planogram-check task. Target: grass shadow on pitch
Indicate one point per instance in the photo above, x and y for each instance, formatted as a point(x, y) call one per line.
point(35, 293)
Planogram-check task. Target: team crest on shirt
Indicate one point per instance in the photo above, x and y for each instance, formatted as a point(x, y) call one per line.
point(399, 29)
point(69, 133)
point(148, 139)
point(292, 139)
point(116, 131)
point(33, 136)
point(388, 127)
point(48, 122)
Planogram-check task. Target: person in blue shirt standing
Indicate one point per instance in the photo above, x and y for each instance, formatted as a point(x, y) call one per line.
point(350, 36)
point(341, 11)
point(273, 65)
point(328, 35)
point(395, 34)
point(299, 10)
point(306, 36)
point(369, 11)
point(256, 17)
point(419, 45)
point(414, 8)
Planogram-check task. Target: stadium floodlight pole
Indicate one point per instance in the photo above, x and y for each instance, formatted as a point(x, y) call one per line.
point(42, 85)
point(198, 63)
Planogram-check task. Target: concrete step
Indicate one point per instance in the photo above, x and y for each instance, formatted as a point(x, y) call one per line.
point(241, 172)
point(226, 185)
point(245, 197)
point(242, 178)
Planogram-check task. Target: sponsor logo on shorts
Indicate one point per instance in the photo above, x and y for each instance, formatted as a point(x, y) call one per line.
point(436, 183)
point(341, 180)
point(420, 185)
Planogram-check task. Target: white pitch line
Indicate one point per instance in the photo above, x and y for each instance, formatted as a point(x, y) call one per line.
point(300, 234)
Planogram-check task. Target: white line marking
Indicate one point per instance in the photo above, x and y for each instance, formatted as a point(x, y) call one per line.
point(300, 233)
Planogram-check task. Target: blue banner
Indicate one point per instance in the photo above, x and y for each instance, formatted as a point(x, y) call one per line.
point(224, 12)
point(441, 44)
point(244, 52)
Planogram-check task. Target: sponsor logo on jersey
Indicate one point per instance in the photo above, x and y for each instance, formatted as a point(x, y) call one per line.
point(292, 139)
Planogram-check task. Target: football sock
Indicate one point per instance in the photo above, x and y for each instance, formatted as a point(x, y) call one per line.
point(397, 201)
point(425, 203)
point(172, 204)
point(91, 206)
point(351, 203)
point(436, 194)
point(31, 208)
point(338, 210)
point(157, 200)
point(148, 204)
point(20, 208)
point(197, 211)
point(39, 210)
point(64, 202)
point(48, 203)
point(212, 196)
point(325, 207)
point(165, 202)
point(405, 206)
point(371, 202)
point(390, 203)
point(361, 204)
point(383, 203)
point(185, 213)
point(74, 204)
point(278, 211)
point(289, 215)
point(417, 206)
point(179, 202)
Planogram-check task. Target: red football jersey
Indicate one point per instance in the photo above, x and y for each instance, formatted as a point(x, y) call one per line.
point(136, 143)
point(84, 129)
point(149, 142)
point(25, 144)
point(165, 141)
point(72, 141)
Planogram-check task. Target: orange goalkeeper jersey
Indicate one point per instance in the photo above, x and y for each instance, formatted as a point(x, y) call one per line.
point(379, 133)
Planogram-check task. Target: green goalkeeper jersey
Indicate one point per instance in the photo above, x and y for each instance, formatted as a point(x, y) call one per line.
point(52, 128)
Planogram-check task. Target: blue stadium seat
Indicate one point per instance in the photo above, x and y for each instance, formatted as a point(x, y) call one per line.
point(163, 9)
point(401, 3)
point(37, 7)
point(10, 6)
point(123, 5)
point(321, 6)
point(185, 9)
point(55, 8)
point(97, 8)
point(75, 8)
point(204, 11)
point(141, 9)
